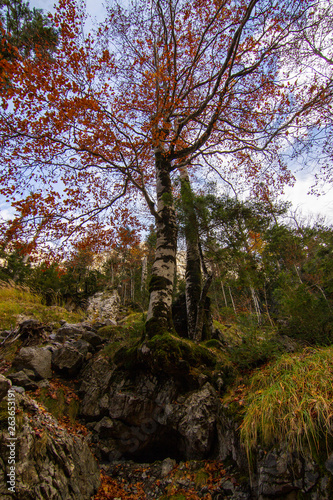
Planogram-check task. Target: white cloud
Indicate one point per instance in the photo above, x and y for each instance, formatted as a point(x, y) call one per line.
point(309, 204)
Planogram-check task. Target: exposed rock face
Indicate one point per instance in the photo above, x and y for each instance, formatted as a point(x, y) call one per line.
point(194, 418)
point(49, 462)
point(147, 418)
point(93, 390)
point(104, 306)
point(37, 359)
point(281, 473)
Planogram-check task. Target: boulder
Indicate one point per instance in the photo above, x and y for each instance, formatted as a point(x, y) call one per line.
point(93, 339)
point(49, 462)
point(67, 361)
point(82, 346)
point(68, 331)
point(37, 359)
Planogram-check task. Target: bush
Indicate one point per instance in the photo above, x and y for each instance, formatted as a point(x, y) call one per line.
point(307, 315)
point(255, 346)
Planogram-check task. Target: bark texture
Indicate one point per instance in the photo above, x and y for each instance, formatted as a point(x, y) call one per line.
point(159, 317)
point(193, 274)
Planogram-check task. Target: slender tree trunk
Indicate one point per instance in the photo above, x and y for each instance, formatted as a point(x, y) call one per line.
point(256, 304)
point(232, 301)
point(159, 317)
point(144, 274)
point(222, 287)
point(193, 274)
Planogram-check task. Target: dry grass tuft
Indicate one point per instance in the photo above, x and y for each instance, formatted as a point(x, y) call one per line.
point(291, 400)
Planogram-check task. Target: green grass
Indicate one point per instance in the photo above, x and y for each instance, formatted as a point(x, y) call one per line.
point(130, 328)
point(16, 301)
point(291, 400)
point(123, 336)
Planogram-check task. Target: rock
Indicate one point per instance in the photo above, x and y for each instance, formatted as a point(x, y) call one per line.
point(67, 361)
point(94, 388)
point(195, 420)
point(82, 346)
point(104, 306)
point(145, 418)
point(37, 359)
point(167, 465)
point(282, 472)
point(49, 462)
point(329, 464)
point(5, 385)
point(22, 379)
point(18, 389)
point(93, 339)
point(68, 331)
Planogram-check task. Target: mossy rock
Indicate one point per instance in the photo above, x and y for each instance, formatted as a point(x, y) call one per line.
point(212, 343)
point(166, 353)
point(108, 331)
point(57, 402)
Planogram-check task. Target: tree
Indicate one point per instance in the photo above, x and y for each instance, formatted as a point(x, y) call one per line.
point(234, 237)
point(157, 88)
point(313, 52)
point(22, 32)
point(27, 29)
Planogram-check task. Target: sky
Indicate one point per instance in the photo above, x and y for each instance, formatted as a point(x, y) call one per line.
point(298, 194)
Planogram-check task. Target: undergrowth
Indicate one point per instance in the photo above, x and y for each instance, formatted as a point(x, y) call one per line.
point(290, 400)
point(16, 301)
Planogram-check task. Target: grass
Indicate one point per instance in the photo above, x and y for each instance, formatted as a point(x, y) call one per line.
point(291, 400)
point(130, 328)
point(16, 301)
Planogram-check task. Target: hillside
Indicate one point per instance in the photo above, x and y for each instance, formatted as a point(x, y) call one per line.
point(244, 415)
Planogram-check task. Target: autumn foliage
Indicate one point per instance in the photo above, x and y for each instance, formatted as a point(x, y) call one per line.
point(97, 134)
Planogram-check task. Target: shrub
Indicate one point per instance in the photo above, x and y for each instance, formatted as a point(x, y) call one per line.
point(308, 315)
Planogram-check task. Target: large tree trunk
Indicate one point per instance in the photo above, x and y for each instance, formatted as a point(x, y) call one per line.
point(193, 274)
point(159, 317)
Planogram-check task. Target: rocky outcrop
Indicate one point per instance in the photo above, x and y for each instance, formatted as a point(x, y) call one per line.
point(156, 402)
point(146, 417)
point(193, 417)
point(104, 307)
point(95, 379)
point(282, 473)
point(49, 462)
